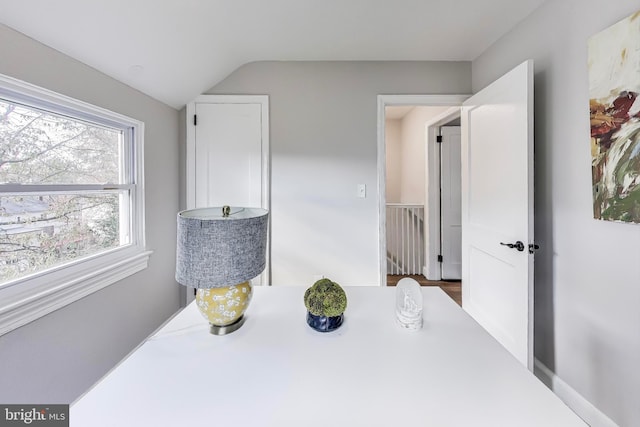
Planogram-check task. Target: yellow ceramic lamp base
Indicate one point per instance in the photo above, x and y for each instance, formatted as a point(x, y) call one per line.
point(224, 307)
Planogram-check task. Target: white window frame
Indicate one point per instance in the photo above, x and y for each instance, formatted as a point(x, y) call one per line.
point(27, 299)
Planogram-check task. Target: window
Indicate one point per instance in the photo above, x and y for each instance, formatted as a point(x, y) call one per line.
point(71, 200)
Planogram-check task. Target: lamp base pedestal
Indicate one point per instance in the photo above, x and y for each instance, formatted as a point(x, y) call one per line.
point(224, 307)
point(226, 329)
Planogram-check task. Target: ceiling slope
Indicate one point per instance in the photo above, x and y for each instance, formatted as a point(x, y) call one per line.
point(173, 50)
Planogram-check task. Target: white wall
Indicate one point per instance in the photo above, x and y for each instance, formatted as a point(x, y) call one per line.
point(587, 289)
point(393, 146)
point(413, 153)
point(323, 144)
point(56, 358)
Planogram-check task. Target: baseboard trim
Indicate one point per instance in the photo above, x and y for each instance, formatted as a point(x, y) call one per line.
point(574, 400)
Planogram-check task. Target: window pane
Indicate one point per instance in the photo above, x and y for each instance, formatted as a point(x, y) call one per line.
point(38, 147)
point(41, 231)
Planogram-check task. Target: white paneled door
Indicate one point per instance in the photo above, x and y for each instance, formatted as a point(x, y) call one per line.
point(450, 203)
point(228, 153)
point(497, 210)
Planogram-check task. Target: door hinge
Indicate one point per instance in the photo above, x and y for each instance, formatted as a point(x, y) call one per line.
point(195, 120)
point(439, 258)
point(439, 138)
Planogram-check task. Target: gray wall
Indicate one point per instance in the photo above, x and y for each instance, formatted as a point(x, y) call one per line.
point(323, 140)
point(587, 325)
point(56, 358)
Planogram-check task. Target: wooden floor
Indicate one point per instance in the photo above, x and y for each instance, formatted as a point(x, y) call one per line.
point(451, 288)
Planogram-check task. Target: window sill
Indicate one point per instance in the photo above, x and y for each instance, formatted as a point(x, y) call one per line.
point(37, 297)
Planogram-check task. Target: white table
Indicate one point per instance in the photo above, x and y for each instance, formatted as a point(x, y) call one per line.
point(276, 371)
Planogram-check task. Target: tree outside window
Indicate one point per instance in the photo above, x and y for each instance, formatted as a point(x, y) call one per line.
point(65, 190)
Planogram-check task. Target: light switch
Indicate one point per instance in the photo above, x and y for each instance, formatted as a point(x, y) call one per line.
point(362, 191)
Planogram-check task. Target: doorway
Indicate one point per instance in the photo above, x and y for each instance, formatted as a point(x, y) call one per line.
point(406, 164)
point(442, 110)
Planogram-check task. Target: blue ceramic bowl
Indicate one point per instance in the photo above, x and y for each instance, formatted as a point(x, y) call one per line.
point(324, 323)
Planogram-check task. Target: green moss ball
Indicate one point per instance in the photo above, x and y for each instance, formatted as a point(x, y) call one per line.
point(325, 298)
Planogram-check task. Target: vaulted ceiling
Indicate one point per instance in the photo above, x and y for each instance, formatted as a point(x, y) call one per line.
point(173, 50)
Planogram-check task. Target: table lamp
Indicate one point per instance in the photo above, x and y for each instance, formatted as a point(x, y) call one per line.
point(219, 250)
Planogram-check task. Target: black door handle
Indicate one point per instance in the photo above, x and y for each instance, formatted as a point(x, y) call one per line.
point(517, 245)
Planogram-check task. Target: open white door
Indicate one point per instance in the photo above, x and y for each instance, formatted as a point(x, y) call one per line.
point(497, 210)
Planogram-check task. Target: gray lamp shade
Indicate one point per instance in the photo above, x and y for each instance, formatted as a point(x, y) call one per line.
point(215, 251)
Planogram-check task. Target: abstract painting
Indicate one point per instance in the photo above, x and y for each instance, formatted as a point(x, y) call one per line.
point(614, 98)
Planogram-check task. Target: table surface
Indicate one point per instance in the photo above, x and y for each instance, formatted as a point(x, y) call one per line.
point(276, 371)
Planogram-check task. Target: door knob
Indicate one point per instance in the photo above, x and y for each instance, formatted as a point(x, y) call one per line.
point(517, 245)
